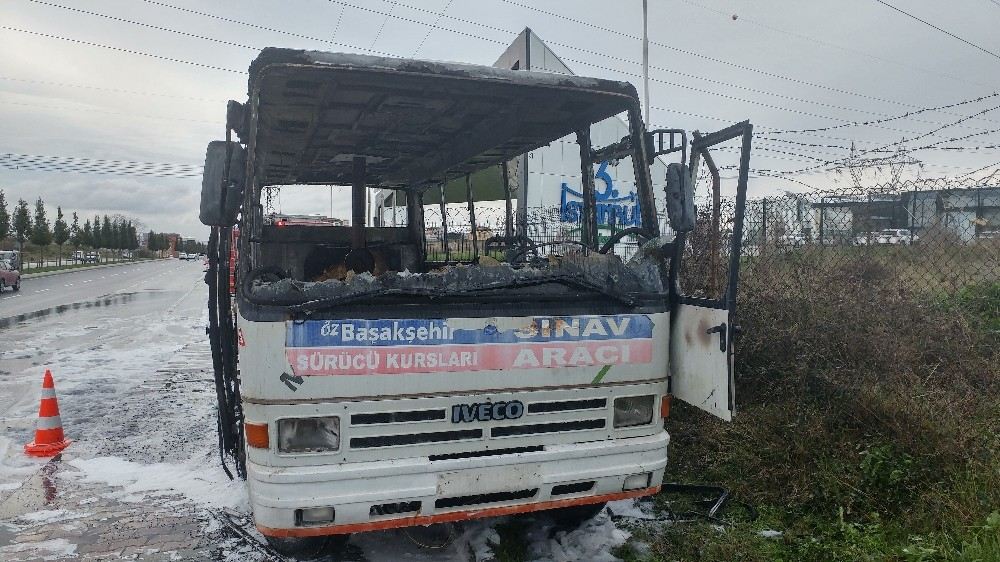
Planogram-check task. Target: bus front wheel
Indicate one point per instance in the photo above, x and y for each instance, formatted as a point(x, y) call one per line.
point(307, 547)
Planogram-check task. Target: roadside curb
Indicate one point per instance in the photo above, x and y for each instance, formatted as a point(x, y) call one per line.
point(61, 271)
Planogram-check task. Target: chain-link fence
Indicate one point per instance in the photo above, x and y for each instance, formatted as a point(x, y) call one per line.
point(548, 233)
point(933, 235)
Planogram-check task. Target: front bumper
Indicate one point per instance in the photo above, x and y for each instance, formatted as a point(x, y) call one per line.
point(454, 489)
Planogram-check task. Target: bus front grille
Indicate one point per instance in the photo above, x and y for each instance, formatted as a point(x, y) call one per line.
point(555, 427)
point(415, 438)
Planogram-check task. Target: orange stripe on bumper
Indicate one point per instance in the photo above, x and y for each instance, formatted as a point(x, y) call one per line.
point(450, 516)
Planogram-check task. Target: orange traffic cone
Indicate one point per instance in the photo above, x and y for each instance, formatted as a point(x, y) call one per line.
point(49, 438)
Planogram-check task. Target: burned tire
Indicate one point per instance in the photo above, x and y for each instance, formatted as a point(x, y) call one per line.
point(573, 517)
point(308, 547)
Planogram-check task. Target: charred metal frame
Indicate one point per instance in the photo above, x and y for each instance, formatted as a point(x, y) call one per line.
point(444, 223)
point(508, 225)
point(472, 217)
point(249, 130)
point(699, 147)
point(588, 222)
point(713, 241)
point(727, 330)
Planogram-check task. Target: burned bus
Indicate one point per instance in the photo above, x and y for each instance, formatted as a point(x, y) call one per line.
point(369, 379)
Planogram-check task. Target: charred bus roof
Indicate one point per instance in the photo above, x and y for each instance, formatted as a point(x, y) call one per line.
point(416, 122)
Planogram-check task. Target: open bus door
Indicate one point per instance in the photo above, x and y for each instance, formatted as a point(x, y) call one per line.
point(703, 327)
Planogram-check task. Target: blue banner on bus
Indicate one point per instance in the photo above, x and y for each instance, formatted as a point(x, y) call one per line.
point(355, 333)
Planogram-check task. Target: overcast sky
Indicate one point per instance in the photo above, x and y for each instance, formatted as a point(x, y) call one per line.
point(783, 64)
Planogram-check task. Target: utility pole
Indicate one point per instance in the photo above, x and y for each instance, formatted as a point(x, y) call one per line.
point(645, 59)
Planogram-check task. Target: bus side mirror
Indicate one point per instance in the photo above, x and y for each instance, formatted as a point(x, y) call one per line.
point(215, 211)
point(680, 198)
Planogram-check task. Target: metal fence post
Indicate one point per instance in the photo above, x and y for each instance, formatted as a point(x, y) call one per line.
point(763, 222)
point(822, 213)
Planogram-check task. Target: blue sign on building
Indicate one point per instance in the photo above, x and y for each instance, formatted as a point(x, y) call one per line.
point(612, 208)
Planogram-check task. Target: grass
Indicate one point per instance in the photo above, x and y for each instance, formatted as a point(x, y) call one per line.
point(868, 424)
point(68, 266)
point(511, 546)
point(867, 429)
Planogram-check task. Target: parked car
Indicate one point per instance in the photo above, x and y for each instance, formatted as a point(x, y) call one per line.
point(9, 276)
point(92, 257)
point(896, 236)
point(888, 236)
point(11, 256)
point(865, 238)
point(792, 240)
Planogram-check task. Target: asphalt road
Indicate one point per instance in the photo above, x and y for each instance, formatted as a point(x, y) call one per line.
point(87, 285)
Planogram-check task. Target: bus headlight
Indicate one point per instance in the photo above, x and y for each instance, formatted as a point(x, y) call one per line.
point(308, 435)
point(633, 410)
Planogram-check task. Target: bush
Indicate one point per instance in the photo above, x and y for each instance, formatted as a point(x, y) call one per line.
point(868, 421)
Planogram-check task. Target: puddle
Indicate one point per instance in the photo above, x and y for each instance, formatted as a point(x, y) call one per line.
point(107, 300)
point(34, 494)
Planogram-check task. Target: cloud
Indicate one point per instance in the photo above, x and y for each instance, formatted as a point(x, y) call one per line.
point(161, 204)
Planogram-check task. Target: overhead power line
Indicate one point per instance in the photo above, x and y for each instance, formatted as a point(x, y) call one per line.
point(89, 110)
point(440, 14)
point(435, 25)
point(141, 24)
point(120, 49)
point(986, 167)
point(840, 162)
point(261, 27)
point(813, 39)
point(380, 28)
point(946, 32)
point(389, 14)
point(609, 69)
point(708, 57)
point(878, 121)
point(103, 89)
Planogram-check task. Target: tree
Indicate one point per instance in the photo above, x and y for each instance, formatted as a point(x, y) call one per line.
point(41, 232)
point(116, 235)
point(75, 233)
point(95, 234)
point(60, 231)
point(4, 218)
point(133, 237)
point(107, 234)
point(22, 223)
point(87, 235)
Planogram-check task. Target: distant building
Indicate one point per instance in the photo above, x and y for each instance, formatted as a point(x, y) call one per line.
point(968, 213)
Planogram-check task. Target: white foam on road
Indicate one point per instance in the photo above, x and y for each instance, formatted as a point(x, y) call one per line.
point(593, 541)
point(54, 549)
point(199, 481)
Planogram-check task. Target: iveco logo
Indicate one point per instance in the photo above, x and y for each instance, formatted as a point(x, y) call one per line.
point(487, 411)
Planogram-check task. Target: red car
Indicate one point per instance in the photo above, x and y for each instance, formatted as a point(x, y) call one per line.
point(9, 277)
